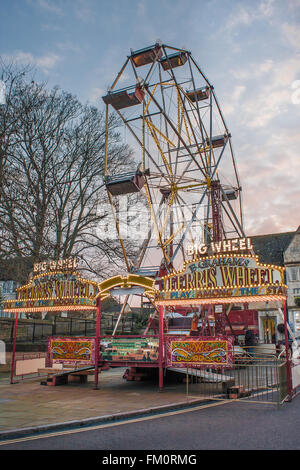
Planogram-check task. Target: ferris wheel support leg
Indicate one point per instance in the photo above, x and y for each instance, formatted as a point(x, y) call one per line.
point(161, 347)
point(13, 363)
point(120, 315)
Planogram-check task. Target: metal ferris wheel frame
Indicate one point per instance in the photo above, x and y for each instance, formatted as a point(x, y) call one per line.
point(180, 153)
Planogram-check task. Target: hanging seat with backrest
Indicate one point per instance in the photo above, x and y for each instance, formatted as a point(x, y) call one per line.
point(122, 99)
point(199, 94)
point(146, 55)
point(173, 60)
point(231, 194)
point(179, 323)
point(147, 271)
point(126, 183)
point(217, 141)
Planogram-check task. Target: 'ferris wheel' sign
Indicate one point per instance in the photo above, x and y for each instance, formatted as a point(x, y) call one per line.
point(222, 278)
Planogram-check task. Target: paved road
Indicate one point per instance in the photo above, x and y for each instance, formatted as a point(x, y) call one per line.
point(230, 426)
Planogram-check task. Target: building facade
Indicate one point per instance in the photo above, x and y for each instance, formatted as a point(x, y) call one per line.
point(292, 265)
point(282, 249)
point(7, 292)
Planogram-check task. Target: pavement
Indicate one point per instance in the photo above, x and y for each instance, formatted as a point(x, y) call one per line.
point(28, 408)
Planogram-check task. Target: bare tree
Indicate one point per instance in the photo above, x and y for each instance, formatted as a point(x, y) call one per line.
point(51, 175)
point(13, 79)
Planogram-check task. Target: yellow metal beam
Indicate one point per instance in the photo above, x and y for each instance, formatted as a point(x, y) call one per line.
point(106, 142)
point(150, 123)
point(179, 104)
point(147, 105)
point(170, 239)
point(118, 230)
point(158, 235)
point(154, 136)
point(170, 202)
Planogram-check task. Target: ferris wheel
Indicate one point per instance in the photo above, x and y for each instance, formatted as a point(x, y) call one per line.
point(186, 172)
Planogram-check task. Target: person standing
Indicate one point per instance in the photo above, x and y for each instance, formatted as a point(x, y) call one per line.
point(250, 341)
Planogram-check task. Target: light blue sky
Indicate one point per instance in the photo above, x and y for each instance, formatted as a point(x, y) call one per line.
point(249, 50)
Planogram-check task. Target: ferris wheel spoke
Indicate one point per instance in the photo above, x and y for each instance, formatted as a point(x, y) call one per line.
point(145, 245)
point(198, 145)
point(183, 203)
point(193, 218)
point(119, 74)
point(181, 104)
point(119, 232)
point(139, 141)
point(233, 218)
point(156, 227)
point(202, 129)
point(162, 91)
point(153, 130)
point(175, 130)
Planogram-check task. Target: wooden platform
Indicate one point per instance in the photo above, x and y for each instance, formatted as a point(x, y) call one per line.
point(63, 376)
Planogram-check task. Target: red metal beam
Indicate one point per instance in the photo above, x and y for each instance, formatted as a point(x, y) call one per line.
point(161, 348)
point(12, 371)
point(216, 211)
point(97, 343)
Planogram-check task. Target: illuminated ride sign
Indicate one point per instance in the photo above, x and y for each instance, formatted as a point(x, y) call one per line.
point(54, 291)
point(64, 289)
point(68, 264)
point(225, 278)
point(233, 245)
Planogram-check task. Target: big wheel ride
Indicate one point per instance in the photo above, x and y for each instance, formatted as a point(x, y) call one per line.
point(186, 172)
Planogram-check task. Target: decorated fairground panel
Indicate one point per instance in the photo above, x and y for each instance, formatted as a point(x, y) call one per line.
point(55, 286)
point(114, 349)
point(74, 351)
point(142, 349)
point(230, 274)
point(214, 351)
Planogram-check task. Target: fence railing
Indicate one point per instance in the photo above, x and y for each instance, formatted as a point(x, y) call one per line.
point(256, 376)
point(36, 330)
point(27, 365)
point(295, 371)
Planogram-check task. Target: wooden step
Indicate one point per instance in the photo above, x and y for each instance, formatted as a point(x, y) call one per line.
point(238, 391)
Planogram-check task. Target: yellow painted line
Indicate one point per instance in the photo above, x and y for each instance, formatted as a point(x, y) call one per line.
point(110, 425)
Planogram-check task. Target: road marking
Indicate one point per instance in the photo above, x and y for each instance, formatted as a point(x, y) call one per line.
point(109, 425)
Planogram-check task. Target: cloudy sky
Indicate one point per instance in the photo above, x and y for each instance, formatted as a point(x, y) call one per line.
point(249, 50)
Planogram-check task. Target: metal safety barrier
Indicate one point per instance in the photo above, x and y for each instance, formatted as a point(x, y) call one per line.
point(258, 378)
